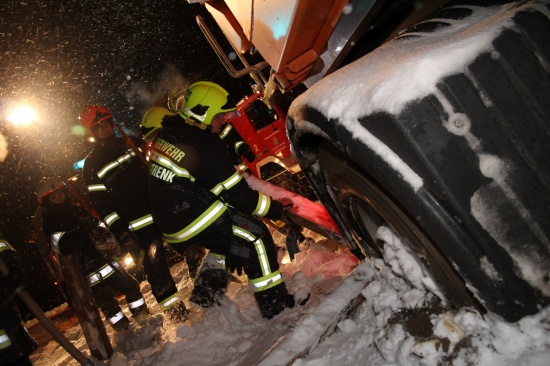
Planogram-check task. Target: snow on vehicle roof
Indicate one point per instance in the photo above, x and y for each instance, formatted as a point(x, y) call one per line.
point(402, 71)
point(406, 69)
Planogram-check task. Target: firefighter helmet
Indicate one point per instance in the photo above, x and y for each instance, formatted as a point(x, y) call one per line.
point(204, 100)
point(152, 120)
point(92, 115)
point(177, 98)
point(47, 186)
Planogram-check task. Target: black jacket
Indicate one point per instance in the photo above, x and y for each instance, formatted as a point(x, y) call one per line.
point(191, 170)
point(117, 183)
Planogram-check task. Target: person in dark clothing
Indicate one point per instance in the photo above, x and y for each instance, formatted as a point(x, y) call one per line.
point(115, 174)
point(69, 228)
point(198, 197)
point(16, 344)
point(236, 146)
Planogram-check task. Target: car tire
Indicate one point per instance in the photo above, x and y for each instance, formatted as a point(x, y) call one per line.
point(364, 207)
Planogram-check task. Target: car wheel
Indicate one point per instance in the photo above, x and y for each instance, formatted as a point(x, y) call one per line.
point(365, 207)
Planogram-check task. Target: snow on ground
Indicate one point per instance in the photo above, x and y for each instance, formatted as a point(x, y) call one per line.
point(397, 324)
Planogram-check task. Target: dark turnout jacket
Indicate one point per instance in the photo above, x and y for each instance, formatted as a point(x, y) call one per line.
point(116, 182)
point(192, 179)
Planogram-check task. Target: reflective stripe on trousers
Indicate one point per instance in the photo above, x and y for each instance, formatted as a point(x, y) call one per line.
point(136, 304)
point(114, 319)
point(210, 215)
point(269, 278)
point(265, 282)
point(169, 302)
point(105, 271)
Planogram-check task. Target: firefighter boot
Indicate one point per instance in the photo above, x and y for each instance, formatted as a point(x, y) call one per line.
point(209, 287)
point(121, 324)
point(141, 312)
point(274, 300)
point(177, 313)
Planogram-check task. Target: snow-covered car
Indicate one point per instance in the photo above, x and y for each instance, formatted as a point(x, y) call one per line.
point(439, 137)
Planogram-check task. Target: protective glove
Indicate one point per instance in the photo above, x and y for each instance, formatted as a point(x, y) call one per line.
point(237, 259)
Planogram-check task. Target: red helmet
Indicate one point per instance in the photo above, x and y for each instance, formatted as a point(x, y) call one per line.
point(92, 115)
point(47, 186)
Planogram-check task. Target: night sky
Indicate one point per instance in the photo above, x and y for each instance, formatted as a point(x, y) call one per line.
point(59, 55)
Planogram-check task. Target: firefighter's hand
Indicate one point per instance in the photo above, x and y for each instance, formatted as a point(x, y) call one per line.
point(237, 259)
point(287, 206)
point(287, 203)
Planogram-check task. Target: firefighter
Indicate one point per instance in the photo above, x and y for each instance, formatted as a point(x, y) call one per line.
point(198, 197)
point(16, 344)
point(237, 147)
point(69, 228)
point(115, 174)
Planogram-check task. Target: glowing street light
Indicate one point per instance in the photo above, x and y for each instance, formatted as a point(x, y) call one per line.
point(22, 116)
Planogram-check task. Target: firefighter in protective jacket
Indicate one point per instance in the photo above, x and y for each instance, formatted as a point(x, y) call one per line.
point(116, 180)
point(198, 197)
point(15, 342)
point(237, 147)
point(69, 228)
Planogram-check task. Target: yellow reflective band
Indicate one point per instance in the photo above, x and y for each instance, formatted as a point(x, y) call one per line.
point(56, 237)
point(244, 234)
point(4, 246)
point(258, 244)
point(110, 218)
point(96, 187)
point(103, 273)
point(141, 222)
point(237, 146)
point(242, 167)
point(115, 319)
point(227, 184)
point(136, 304)
point(226, 131)
point(266, 282)
point(198, 225)
point(169, 302)
point(5, 341)
point(169, 164)
point(107, 168)
point(262, 208)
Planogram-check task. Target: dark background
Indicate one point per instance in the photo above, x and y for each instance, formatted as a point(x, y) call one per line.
point(60, 55)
